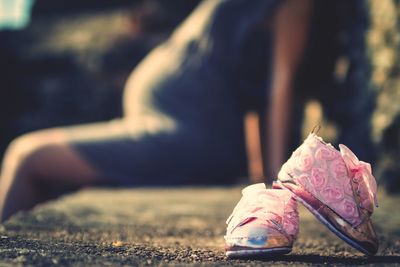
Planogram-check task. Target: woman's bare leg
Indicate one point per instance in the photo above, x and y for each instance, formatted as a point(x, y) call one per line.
point(36, 163)
point(290, 27)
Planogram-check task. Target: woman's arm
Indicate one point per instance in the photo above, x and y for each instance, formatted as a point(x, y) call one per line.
point(290, 27)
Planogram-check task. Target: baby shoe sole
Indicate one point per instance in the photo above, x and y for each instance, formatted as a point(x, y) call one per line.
point(324, 221)
point(257, 252)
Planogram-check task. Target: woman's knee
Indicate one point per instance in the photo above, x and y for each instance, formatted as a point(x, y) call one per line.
point(23, 150)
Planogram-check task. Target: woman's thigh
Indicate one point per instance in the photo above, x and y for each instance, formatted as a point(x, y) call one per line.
point(127, 154)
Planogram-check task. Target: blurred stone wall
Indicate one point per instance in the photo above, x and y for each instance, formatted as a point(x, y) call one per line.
point(383, 42)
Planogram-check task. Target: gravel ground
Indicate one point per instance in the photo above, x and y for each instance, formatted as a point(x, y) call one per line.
point(177, 226)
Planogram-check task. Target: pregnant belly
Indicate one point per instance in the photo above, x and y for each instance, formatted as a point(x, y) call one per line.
point(153, 75)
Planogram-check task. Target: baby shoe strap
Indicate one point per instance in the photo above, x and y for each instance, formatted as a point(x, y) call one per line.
point(261, 203)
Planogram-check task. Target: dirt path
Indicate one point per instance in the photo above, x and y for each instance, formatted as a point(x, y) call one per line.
point(109, 227)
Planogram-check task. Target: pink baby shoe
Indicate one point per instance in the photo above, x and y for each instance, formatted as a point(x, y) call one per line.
point(336, 187)
point(265, 222)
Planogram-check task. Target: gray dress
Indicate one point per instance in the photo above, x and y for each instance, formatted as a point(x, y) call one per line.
point(184, 103)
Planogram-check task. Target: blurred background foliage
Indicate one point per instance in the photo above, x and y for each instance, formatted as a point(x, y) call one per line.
point(383, 50)
point(70, 63)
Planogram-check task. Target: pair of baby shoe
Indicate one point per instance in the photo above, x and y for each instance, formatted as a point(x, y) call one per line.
point(335, 186)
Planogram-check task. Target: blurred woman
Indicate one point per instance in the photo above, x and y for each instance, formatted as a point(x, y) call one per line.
point(183, 109)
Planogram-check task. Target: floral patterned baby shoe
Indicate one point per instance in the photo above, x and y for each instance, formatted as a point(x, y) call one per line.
point(336, 187)
point(265, 222)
